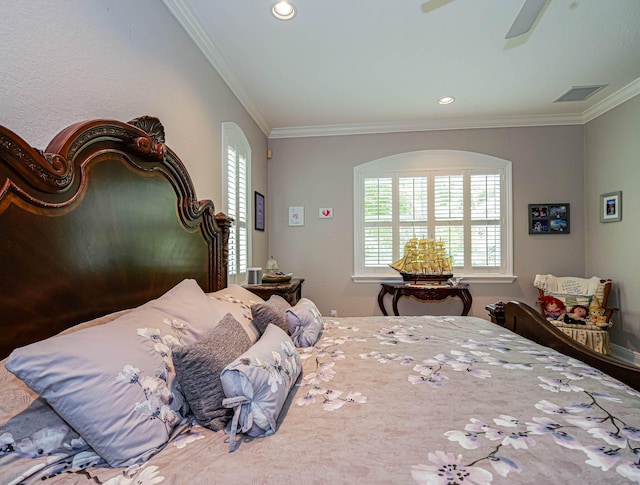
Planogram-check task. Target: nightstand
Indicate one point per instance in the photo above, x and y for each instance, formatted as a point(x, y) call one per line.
point(290, 291)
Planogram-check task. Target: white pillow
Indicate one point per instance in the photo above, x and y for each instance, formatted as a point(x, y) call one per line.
point(237, 300)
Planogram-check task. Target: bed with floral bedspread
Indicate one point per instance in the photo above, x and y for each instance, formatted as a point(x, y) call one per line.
point(432, 400)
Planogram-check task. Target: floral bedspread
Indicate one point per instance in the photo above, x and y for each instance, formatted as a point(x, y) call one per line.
point(433, 400)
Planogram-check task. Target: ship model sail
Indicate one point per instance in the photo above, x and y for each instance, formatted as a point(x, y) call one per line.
point(424, 260)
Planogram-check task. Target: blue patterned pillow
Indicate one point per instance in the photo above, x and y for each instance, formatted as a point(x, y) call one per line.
point(257, 383)
point(305, 323)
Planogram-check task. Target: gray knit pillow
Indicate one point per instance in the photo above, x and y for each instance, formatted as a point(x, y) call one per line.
point(271, 311)
point(198, 367)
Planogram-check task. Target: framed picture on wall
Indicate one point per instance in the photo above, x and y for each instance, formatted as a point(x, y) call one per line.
point(548, 218)
point(259, 211)
point(611, 207)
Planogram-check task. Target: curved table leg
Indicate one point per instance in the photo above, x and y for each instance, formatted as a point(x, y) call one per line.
point(465, 295)
point(383, 291)
point(396, 297)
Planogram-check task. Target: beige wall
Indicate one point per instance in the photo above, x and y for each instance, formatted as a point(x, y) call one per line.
point(612, 163)
point(71, 60)
point(318, 172)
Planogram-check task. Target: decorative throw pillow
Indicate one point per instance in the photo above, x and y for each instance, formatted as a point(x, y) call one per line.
point(115, 383)
point(271, 311)
point(572, 300)
point(257, 383)
point(237, 301)
point(305, 323)
point(279, 303)
point(198, 367)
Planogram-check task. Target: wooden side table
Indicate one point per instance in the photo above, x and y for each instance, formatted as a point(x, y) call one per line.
point(290, 291)
point(424, 292)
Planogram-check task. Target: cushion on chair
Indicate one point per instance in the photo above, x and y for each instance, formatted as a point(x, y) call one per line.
point(588, 335)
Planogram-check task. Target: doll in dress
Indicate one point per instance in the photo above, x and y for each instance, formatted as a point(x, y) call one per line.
point(554, 309)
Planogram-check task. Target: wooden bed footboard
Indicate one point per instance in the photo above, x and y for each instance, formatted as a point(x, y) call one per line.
point(524, 320)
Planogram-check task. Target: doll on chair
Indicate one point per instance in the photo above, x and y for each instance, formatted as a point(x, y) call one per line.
point(577, 315)
point(597, 314)
point(554, 309)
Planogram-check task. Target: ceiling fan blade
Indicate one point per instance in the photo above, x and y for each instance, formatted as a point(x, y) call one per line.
point(526, 18)
point(431, 5)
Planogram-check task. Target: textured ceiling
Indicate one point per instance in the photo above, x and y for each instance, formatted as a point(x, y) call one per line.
point(355, 66)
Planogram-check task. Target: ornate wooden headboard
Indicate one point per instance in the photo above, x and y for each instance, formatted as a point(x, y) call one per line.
point(104, 219)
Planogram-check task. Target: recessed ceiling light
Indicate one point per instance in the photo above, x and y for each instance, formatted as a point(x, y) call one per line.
point(446, 100)
point(283, 10)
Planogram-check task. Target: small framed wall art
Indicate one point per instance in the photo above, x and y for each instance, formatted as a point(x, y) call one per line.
point(296, 216)
point(549, 218)
point(611, 207)
point(259, 211)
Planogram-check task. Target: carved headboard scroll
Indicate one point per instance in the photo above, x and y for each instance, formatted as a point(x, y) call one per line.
point(105, 218)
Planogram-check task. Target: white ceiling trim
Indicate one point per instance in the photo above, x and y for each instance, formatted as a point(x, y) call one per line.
point(444, 124)
point(199, 36)
point(629, 91)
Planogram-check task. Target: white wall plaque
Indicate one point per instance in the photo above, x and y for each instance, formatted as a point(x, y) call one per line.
point(296, 216)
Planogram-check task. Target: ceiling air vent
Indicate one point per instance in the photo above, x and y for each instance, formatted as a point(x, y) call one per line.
point(579, 93)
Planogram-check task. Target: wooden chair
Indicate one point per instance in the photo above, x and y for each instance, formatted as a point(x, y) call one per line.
point(592, 293)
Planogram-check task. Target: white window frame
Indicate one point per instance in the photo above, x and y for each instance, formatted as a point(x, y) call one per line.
point(232, 135)
point(445, 161)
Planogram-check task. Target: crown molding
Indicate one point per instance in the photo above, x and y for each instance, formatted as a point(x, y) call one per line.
point(625, 94)
point(426, 125)
point(194, 29)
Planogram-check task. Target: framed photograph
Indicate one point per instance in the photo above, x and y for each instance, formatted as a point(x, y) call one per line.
point(259, 211)
point(611, 207)
point(549, 218)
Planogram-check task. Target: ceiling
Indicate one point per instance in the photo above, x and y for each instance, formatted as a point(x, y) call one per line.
point(364, 66)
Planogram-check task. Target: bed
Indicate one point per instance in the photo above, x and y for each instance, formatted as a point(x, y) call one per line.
point(114, 285)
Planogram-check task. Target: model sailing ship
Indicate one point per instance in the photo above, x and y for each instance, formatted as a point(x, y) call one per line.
point(424, 260)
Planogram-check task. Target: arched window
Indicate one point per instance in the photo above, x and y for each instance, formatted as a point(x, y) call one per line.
point(460, 198)
point(236, 168)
